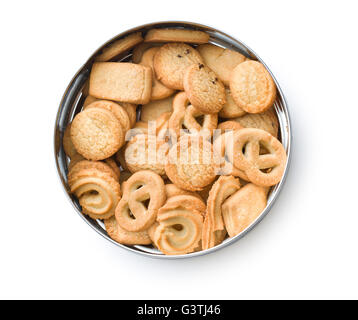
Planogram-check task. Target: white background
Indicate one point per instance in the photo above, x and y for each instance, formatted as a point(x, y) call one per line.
point(305, 248)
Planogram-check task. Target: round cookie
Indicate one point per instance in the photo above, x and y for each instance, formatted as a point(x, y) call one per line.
point(252, 87)
point(191, 163)
point(204, 89)
point(96, 133)
point(171, 61)
point(159, 90)
point(221, 61)
point(230, 108)
point(153, 110)
point(68, 146)
point(265, 121)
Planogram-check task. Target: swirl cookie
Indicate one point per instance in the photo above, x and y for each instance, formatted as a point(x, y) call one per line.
point(230, 108)
point(221, 61)
point(176, 35)
point(243, 207)
point(265, 121)
point(204, 89)
point(145, 152)
point(117, 233)
point(68, 146)
point(252, 87)
point(159, 90)
point(214, 230)
point(121, 81)
point(262, 169)
point(143, 195)
point(96, 133)
point(119, 46)
point(191, 163)
point(154, 109)
point(171, 61)
point(95, 186)
point(179, 228)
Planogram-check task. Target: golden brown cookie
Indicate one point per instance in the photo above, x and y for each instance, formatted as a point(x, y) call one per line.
point(112, 163)
point(131, 110)
point(229, 125)
point(214, 230)
point(176, 35)
point(230, 108)
point(145, 152)
point(179, 229)
point(170, 63)
point(117, 233)
point(171, 190)
point(97, 191)
point(117, 110)
point(143, 195)
point(262, 169)
point(221, 61)
point(188, 201)
point(119, 46)
point(96, 133)
point(121, 81)
point(204, 89)
point(152, 110)
point(88, 100)
point(243, 207)
point(191, 163)
point(223, 146)
point(198, 122)
point(252, 87)
point(266, 120)
point(159, 90)
point(68, 146)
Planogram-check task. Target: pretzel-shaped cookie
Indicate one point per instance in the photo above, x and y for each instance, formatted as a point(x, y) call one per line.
point(143, 195)
point(185, 115)
point(179, 228)
point(214, 230)
point(262, 169)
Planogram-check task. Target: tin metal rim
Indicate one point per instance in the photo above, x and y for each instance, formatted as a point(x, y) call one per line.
point(72, 97)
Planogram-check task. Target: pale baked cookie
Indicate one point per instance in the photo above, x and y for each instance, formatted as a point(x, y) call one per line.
point(96, 133)
point(145, 152)
point(117, 110)
point(230, 108)
point(172, 190)
point(223, 146)
point(159, 90)
point(214, 230)
point(117, 233)
point(221, 61)
point(243, 207)
point(198, 122)
point(266, 120)
point(179, 228)
point(170, 63)
point(143, 195)
point(89, 100)
point(68, 146)
point(152, 110)
point(121, 81)
point(119, 46)
point(96, 188)
point(176, 35)
point(139, 50)
point(205, 91)
point(252, 87)
point(262, 169)
point(87, 164)
point(191, 164)
point(229, 125)
point(131, 110)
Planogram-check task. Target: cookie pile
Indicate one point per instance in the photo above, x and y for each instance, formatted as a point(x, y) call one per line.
point(197, 164)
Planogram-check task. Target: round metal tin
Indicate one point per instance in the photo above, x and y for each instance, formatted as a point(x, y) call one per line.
point(75, 93)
